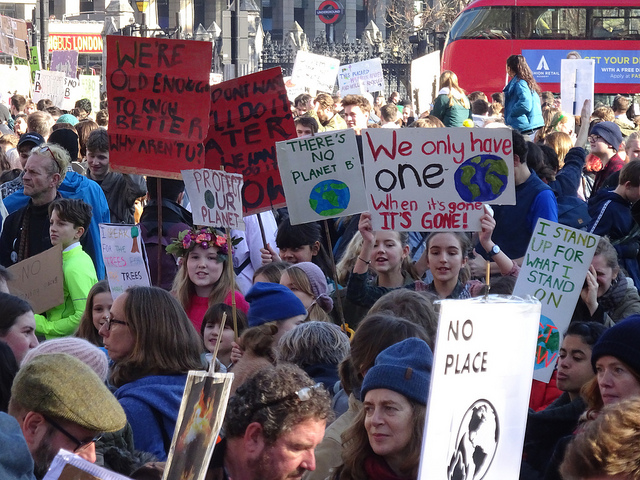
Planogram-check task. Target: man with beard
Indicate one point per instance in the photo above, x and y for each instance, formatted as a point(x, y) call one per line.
point(59, 402)
point(272, 426)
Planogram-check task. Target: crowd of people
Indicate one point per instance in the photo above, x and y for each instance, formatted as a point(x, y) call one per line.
point(328, 328)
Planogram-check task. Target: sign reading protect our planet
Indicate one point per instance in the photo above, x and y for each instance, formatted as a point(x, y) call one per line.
point(480, 386)
point(321, 176)
point(216, 197)
point(554, 269)
point(434, 179)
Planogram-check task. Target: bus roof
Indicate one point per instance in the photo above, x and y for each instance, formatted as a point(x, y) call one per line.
point(554, 3)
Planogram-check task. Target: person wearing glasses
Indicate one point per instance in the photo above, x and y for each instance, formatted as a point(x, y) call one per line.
point(272, 426)
point(26, 231)
point(153, 345)
point(60, 402)
point(605, 139)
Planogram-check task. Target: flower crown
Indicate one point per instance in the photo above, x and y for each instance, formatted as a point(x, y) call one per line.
point(204, 238)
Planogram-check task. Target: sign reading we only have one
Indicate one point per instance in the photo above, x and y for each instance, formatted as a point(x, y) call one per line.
point(249, 115)
point(321, 176)
point(158, 104)
point(554, 270)
point(427, 179)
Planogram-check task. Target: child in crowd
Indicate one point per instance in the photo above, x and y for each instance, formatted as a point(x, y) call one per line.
point(204, 277)
point(96, 312)
point(68, 221)
point(210, 331)
point(308, 283)
point(270, 272)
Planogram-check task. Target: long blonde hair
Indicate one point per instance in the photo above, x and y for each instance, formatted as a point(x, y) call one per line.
point(450, 80)
point(300, 280)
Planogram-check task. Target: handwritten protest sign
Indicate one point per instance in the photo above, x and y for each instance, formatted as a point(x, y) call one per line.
point(321, 176)
point(480, 385)
point(202, 410)
point(38, 280)
point(216, 197)
point(13, 37)
point(314, 72)
point(65, 61)
point(248, 116)
point(576, 84)
point(71, 93)
point(429, 179)
point(361, 77)
point(123, 258)
point(554, 270)
point(69, 466)
point(425, 80)
point(49, 85)
point(15, 79)
point(158, 104)
point(90, 88)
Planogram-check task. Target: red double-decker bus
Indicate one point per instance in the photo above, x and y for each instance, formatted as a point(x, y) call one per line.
point(486, 32)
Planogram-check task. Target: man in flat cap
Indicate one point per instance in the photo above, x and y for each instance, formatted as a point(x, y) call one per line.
point(60, 402)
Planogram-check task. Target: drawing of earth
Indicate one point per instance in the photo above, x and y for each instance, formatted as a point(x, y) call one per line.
point(548, 346)
point(329, 197)
point(481, 178)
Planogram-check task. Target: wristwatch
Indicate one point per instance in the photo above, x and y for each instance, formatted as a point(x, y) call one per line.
point(494, 251)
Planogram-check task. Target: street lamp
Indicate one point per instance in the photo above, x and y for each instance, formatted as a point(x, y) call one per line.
point(142, 8)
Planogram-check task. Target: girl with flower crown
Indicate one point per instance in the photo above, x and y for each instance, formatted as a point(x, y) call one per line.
point(204, 277)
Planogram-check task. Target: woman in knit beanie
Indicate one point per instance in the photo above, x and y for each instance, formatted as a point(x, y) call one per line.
point(308, 283)
point(385, 440)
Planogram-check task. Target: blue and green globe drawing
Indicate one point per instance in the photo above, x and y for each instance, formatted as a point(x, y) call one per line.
point(481, 178)
point(329, 197)
point(548, 346)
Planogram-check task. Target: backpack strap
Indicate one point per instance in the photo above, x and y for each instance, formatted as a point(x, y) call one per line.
point(600, 215)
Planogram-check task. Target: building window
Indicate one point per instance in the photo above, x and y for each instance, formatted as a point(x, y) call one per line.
point(86, 6)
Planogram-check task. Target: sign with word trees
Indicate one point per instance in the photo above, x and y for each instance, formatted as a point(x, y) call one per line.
point(122, 254)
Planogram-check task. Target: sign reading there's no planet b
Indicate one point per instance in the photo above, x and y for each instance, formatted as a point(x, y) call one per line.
point(321, 176)
point(216, 197)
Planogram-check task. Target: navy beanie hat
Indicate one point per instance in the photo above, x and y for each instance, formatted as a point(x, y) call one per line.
point(405, 368)
point(621, 341)
point(610, 132)
point(272, 302)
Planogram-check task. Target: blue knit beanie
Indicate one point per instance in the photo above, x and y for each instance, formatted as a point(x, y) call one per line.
point(621, 341)
point(610, 132)
point(405, 368)
point(272, 302)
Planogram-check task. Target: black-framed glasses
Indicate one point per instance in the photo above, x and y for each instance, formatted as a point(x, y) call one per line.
point(79, 444)
point(302, 395)
point(593, 138)
point(112, 320)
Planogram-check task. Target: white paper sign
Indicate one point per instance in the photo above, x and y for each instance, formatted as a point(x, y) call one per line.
point(71, 93)
point(315, 72)
point(122, 248)
point(576, 84)
point(425, 80)
point(15, 79)
point(554, 270)
point(67, 465)
point(321, 176)
point(427, 179)
point(216, 197)
point(90, 88)
point(49, 85)
point(360, 77)
point(480, 386)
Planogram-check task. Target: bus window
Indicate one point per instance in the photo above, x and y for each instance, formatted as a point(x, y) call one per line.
point(616, 23)
point(491, 22)
point(560, 23)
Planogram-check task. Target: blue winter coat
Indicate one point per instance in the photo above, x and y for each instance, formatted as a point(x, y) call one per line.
point(522, 110)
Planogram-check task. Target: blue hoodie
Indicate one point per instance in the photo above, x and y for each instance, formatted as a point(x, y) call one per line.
point(522, 109)
point(76, 186)
point(152, 404)
point(16, 462)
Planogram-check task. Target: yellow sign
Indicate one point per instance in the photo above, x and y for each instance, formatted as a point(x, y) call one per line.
point(142, 6)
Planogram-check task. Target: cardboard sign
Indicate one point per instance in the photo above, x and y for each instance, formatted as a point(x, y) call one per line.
point(158, 104)
point(314, 72)
point(361, 77)
point(122, 254)
point(15, 79)
point(554, 270)
point(14, 37)
point(68, 466)
point(321, 176)
point(202, 410)
point(90, 88)
point(65, 61)
point(425, 80)
point(436, 179)
point(216, 197)
point(49, 85)
point(248, 116)
point(39, 280)
point(576, 84)
point(480, 385)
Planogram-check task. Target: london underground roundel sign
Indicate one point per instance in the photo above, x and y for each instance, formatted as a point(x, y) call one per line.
point(329, 11)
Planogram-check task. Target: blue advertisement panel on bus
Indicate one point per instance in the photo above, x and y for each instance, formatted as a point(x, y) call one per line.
point(612, 66)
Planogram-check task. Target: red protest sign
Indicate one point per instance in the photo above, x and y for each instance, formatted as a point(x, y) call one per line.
point(158, 93)
point(248, 116)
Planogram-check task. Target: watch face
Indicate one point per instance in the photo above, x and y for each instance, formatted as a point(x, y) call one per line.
point(495, 250)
